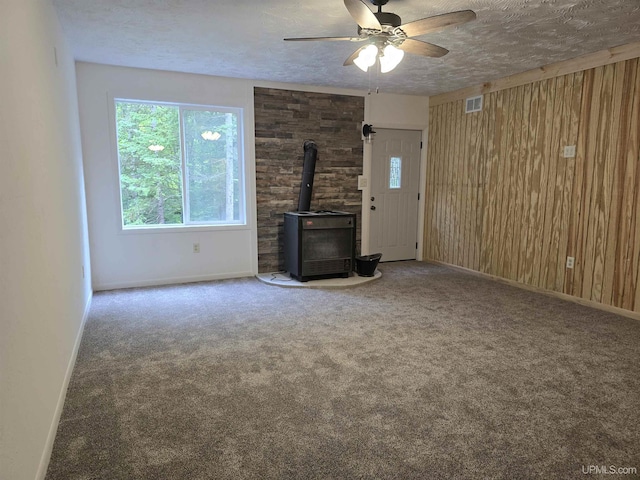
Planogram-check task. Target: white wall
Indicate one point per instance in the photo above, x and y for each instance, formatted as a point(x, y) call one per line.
point(406, 112)
point(403, 112)
point(133, 258)
point(43, 240)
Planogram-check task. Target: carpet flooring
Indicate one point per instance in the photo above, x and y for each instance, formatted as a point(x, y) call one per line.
point(426, 373)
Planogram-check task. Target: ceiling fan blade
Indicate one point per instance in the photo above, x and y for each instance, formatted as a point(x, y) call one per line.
point(425, 49)
point(430, 24)
point(353, 56)
point(362, 15)
point(331, 39)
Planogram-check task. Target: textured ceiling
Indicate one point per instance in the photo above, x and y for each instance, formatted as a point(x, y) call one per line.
point(243, 38)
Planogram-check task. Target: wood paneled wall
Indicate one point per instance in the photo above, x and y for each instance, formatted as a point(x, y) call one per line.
point(503, 200)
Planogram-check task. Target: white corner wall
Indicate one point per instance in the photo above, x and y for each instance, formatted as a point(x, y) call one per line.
point(43, 236)
point(137, 258)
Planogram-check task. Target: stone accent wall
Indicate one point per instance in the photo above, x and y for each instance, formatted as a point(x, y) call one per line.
point(284, 120)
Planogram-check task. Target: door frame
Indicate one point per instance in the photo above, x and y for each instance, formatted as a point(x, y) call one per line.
point(366, 193)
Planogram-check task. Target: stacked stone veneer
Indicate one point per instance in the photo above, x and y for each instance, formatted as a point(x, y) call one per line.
point(284, 120)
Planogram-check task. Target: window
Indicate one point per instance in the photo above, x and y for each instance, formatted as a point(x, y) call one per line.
point(180, 165)
point(395, 173)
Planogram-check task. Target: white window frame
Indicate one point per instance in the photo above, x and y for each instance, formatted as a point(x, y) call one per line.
point(186, 225)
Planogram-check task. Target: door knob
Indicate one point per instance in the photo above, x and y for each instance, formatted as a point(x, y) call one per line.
point(373, 198)
point(373, 207)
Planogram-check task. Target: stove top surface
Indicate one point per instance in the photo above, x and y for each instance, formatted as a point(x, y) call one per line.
point(320, 212)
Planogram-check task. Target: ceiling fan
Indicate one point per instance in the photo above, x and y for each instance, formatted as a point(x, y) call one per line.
point(387, 38)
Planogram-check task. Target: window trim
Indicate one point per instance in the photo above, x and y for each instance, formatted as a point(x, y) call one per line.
point(241, 224)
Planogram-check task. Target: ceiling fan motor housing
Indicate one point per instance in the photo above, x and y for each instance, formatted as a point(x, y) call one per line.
point(386, 19)
point(390, 19)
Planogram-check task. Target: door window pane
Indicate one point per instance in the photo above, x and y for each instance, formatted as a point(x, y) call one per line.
point(395, 172)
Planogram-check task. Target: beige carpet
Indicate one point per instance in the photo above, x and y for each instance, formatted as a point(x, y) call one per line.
point(426, 373)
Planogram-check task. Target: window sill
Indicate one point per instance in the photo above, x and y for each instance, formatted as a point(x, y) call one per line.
point(182, 229)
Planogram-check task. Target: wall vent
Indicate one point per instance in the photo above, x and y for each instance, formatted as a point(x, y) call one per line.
point(473, 104)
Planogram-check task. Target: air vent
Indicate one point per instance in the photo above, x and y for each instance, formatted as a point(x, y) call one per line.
point(473, 104)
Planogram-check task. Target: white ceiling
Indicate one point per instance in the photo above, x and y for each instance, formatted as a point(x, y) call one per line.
point(244, 38)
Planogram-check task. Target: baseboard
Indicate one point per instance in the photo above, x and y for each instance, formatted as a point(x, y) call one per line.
point(155, 282)
point(46, 454)
point(551, 293)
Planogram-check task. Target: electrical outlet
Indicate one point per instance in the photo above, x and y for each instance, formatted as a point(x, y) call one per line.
point(570, 262)
point(196, 248)
point(570, 151)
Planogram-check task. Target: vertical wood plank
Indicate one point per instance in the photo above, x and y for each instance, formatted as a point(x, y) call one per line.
point(482, 167)
point(570, 124)
point(500, 223)
point(455, 186)
point(532, 182)
point(541, 167)
point(489, 175)
point(630, 300)
point(576, 211)
point(522, 203)
point(594, 255)
point(466, 232)
point(450, 183)
point(554, 184)
point(514, 125)
point(584, 264)
point(626, 179)
point(475, 168)
point(447, 182)
point(437, 178)
point(520, 139)
point(433, 137)
point(440, 185)
point(614, 178)
point(497, 114)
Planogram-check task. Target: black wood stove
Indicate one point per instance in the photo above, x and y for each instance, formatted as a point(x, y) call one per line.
point(319, 244)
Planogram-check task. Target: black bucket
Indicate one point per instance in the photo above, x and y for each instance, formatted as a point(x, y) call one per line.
point(366, 264)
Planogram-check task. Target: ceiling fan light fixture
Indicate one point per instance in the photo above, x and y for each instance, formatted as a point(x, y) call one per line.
point(390, 58)
point(366, 58)
point(384, 32)
point(211, 136)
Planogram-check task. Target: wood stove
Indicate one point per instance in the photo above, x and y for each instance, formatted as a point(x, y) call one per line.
point(319, 244)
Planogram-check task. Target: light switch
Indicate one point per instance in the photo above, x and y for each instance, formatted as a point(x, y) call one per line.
point(569, 151)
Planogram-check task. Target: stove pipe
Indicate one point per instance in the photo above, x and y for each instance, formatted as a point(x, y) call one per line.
point(308, 170)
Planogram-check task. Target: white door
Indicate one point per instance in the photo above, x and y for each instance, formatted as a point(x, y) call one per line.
point(395, 188)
